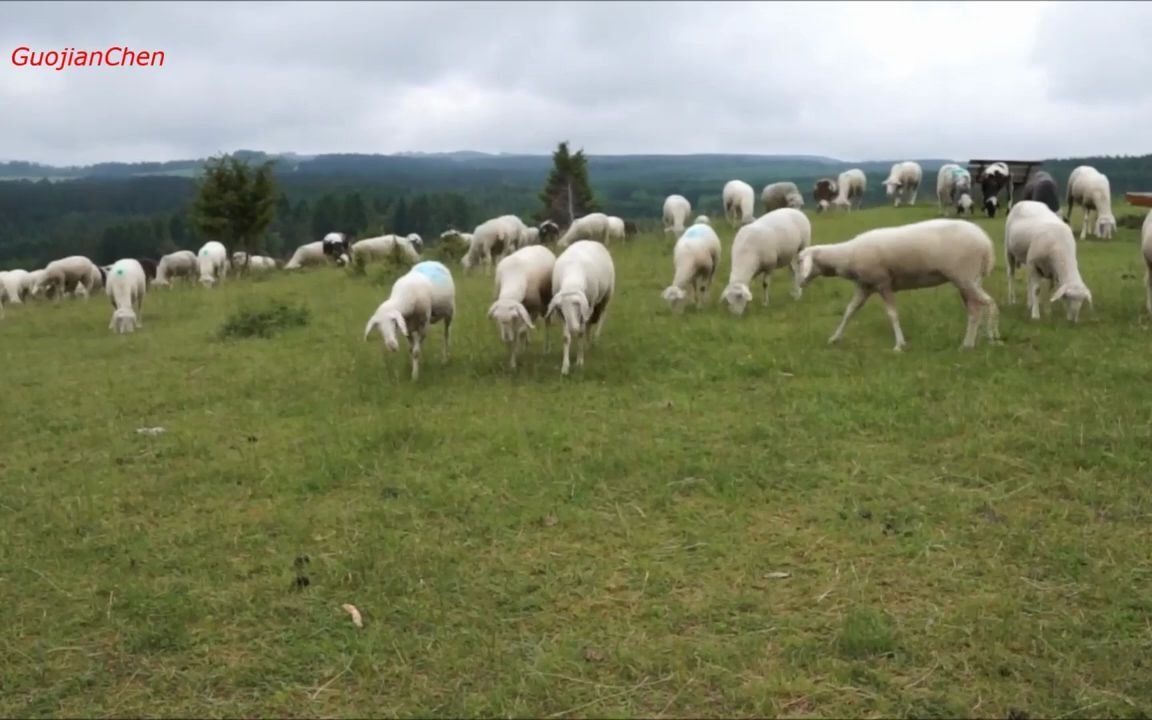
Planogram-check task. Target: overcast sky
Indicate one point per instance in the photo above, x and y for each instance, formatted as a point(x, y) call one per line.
point(856, 81)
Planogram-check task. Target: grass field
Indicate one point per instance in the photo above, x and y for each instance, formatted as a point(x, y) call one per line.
point(964, 533)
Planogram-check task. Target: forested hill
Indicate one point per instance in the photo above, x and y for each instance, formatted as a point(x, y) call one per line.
point(112, 210)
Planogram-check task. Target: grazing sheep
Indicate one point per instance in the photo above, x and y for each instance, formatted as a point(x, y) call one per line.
point(465, 238)
point(823, 193)
point(739, 202)
point(676, 212)
point(773, 241)
point(920, 255)
point(1089, 188)
point(306, 255)
point(583, 282)
point(1038, 239)
point(12, 286)
point(593, 226)
point(852, 184)
point(954, 189)
point(782, 194)
point(383, 248)
point(30, 285)
point(336, 246)
point(212, 259)
point(903, 183)
point(1041, 187)
point(694, 260)
point(615, 229)
point(531, 237)
point(523, 292)
point(500, 236)
point(1146, 251)
point(422, 297)
point(993, 179)
point(548, 232)
point(126, 287)
point(252, 263)
point(702, 220)
point(416, 241)
point(181, 263)
point(62, 276)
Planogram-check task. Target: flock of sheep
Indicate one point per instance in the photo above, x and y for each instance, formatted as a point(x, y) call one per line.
point(532, 283)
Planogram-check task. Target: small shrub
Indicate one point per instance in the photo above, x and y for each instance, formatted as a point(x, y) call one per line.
point(1130, 221)
point(448, 251)
point(264, 321)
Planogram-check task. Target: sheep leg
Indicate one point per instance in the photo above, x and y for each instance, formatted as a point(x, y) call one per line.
point(547, 335)
point(565, 365)
point(581, 341)
point(980, 303)
point(1010, 268)
point(1083, 223)
point(415, 340)
point(766, 279)
point(447, 337)
point(1148, 286)
point(1033, 290)
point(513, 347)
point(853, 305)
point(890, 309)
point(595, 337)
point(796, 292)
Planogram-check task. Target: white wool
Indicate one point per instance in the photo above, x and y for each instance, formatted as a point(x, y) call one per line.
point(583, 282)
point(126, 287)
point(919, 255)
point(593, 226)
point(1146, 251)
point(702, 220)
point(676, 212)
point(739, 202)
point(954, 189)
point(181, 263)
point(12, 286)
point(212, 259)
point(31, 283)
point(615, 229)
point(383, 248)
point(531, 237)
point(61, 276)
point(255, 263)
point(307, 254)
point(903, 182)
point(775, 240)
point(523, 290)
point(850, 185)
point(415, 241)
point(422, 297)
point(1039, 240)
point(780, 195)
point(695, 258)
point(500, 236)
point(1089, 188)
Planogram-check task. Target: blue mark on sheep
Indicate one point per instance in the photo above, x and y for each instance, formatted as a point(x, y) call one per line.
point(695, 230)
point(119, 271)
point(432, 270)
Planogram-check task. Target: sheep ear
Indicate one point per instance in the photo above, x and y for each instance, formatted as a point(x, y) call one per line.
point(523, 313)
point(401, 324)
point(585, 311)
point(372, 322)
point(492, 310)
point(1060, 292)
point(552, 307)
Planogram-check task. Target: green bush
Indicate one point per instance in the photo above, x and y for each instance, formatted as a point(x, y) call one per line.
point(264, 321)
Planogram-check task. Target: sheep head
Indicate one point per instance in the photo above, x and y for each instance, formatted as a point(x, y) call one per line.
point(512, 317)
point(1074, 294)
point(737, 296)
point(574, 308)
point(1105, 226)
point(390, 323)
point(123, 321)
point(675, 297)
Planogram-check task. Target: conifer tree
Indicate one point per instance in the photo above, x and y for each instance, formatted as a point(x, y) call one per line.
point(567, 195)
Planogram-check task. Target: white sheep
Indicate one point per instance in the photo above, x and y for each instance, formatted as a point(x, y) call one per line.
point(780, 195)
point(903, 182)
point(739, 202)
point(61, 276)
point(499, 236)
point(1090, 189)
point(306, 255)
point(383, 248)
point(676, 212)
point(126, 287)
point(919, 255)
point(12, 286)
point(694, 261)
point(702, 220)
point(253, 263)
point(463, 237)
point(615, 229)
point(850, 185)
point(583, 282)
point(773, 241)
point(336, 246)
point(181, 263)
point(416, 241)
point(523, 291)
point(212, 259)
point(422, 297)
point(593, 226)
point(1146, 251)
point(30, 284)
point(1039, 240)
point(954, 189)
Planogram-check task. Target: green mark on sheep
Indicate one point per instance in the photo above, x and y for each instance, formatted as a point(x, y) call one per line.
point(119, 271)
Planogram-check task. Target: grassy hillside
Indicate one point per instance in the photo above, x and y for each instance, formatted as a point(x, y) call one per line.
point(719, 517)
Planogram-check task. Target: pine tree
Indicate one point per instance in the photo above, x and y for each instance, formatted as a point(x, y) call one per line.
point(235, 202)
point(567, 194)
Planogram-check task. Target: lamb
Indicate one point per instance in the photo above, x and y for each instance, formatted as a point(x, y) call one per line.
point(583, 283)
point(499, 236)
point(920, 255)
point(774, 240)
point(702, 220)
point(823, 193)
point(523, 292)
point(676, 212)
point(615, 229)
point(593, 226)
point(852, 184)
point(694, 259)
point(1089, 188)
point(422, 297)
point(954, 189)
point(782, 194)
point(12, 286)
point(126, 287)
point(994, 178)
point(336, 246)
point(1041, 187)
point(61, 276)
point(212, 259)
point(1146, 250)
point(739, 202)
point(382, 248)
point(181, 263)
point(903, 183)
point(1038, 239)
